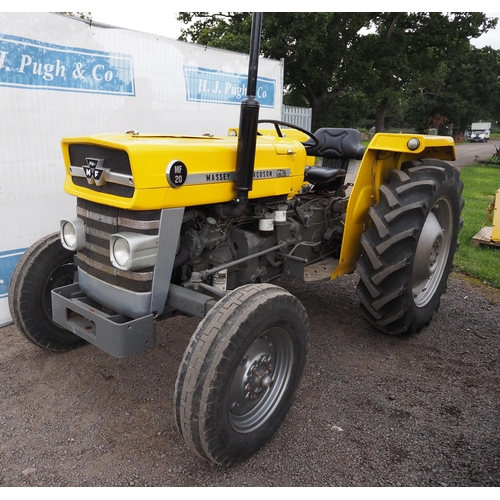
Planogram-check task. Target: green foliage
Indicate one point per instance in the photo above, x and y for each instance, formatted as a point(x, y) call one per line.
point(480, 185)
point(349, 109)
point(318, 64)
point(411, 70)
point(414, 57)
point(470, 92)
point(224, 30)
point(79, 15)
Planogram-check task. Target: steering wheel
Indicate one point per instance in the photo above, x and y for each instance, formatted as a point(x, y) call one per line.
point(278, 123)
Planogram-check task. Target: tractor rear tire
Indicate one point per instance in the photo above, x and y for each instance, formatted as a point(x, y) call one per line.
point(409, 247)
point(44, 266)
point(240, 372)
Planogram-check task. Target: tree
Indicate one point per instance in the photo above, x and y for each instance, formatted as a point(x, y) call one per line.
point(80, 15)
point(414, 54)
point(314, 45)
point(224, 30)
point(469, 92)
point(402, 69)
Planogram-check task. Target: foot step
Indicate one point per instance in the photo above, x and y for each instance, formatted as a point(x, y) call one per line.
point(321, 270)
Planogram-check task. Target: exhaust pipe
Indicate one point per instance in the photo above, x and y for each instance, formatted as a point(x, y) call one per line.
point(247, 135)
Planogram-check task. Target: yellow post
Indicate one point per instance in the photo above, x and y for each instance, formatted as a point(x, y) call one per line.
point(495, 231)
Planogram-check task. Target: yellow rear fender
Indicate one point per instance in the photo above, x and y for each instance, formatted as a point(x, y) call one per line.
point(384, 153)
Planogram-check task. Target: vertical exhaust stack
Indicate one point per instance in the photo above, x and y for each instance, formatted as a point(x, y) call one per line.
point(249, 118)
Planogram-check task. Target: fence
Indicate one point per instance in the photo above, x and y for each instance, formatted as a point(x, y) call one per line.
point(302, 117)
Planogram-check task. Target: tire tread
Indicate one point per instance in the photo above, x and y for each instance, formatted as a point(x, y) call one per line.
point(389, 244)
point(199, 371)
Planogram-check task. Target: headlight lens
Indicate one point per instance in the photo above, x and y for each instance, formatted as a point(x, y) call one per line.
point(121, 252)
point(73, 234)
point(69, 234)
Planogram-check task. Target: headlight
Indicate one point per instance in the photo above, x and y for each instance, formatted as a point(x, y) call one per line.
point(73, 234)
point(132, 251)
point(121, 252)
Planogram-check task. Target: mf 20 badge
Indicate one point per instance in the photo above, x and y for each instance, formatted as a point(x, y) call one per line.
point(176, 173)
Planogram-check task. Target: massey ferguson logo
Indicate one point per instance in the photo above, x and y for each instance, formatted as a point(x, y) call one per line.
point(94, 171)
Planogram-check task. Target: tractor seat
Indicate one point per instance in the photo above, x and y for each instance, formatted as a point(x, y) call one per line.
point(323, 175)
point(337, 144)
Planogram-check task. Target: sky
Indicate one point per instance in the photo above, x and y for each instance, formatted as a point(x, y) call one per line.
point(151, 17)
point(165, 24)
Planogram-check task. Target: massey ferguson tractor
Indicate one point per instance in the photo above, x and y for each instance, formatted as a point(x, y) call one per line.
point(202, 226)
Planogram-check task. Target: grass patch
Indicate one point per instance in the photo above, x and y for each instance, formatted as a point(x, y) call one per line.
point(480, 186)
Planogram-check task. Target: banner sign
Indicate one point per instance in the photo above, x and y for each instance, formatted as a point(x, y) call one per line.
point(32, 64)
point(219, 87)
point(8, 261)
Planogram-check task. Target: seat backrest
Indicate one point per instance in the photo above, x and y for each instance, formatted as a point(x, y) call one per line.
point(336, 143)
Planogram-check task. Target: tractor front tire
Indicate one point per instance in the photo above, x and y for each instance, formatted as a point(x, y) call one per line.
point(240, 372)
point(409, 246)
point(44, 266)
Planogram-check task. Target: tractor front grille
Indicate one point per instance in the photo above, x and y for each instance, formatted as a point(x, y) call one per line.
point(101, 222)
point(116, 160)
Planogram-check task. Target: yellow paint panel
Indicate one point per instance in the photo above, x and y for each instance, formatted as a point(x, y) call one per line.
point(385, 153)
point(279, 169)
point(495, 231)
point(432, 146)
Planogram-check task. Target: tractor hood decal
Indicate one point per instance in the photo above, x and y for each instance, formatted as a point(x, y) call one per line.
point(215, 177)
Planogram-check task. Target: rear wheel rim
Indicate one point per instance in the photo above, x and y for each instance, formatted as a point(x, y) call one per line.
point(433, 249)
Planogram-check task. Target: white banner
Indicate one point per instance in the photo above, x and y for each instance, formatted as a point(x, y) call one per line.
point(61, 77)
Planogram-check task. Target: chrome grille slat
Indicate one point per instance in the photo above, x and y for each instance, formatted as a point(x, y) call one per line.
point(139, 224)
point(95, 216)
point(111, 177)
point(97, 249)
point(103, 235)
point(119, 221)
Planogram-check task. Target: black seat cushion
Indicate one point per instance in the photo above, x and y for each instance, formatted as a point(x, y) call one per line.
point(323, 175)
point(336, 143)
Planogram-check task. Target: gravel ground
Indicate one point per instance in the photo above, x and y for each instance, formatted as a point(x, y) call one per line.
point(372, 410)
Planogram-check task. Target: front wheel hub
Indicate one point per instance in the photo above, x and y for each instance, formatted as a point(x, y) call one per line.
point(260, 380)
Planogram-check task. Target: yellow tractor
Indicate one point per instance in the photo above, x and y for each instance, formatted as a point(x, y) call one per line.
point(202, 226)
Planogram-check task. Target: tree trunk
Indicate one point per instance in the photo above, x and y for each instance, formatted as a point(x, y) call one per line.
point(316, 103)
point(382, 107)
point(380, 115)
